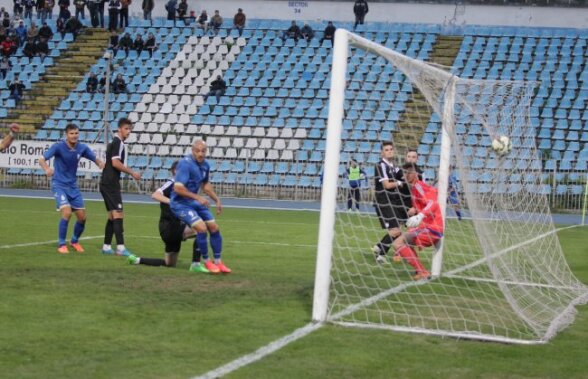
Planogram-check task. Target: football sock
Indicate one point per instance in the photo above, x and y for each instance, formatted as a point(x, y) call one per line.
point(411, 258)
point(202, 242)
point(117, 227)
point(106, 247)
point(120, 247)
point(458, 213)
point(216, 242)
point(62, 231)
point(108, 231)
point(78, 230)
point(152, 261)
point(385, 244)
point(196, 252)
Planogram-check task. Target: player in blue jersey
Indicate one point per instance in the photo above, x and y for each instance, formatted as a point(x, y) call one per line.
point(7, 140)
point(192, 174)
point(66, 155)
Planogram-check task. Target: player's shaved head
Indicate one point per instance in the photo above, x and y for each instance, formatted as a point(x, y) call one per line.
point(199, 150)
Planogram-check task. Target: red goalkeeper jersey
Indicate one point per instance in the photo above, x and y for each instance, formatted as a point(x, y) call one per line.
point(424, 199)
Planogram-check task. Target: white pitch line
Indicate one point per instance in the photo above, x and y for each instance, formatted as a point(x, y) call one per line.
point(42, 243)
point(261, 352)
point(245, 242)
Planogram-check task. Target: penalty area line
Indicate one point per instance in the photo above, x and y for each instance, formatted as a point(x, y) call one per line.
point(43, 242)
point(261, 352)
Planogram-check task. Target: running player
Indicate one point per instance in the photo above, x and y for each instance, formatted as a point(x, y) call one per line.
point(192, 174)
point(111, 190)
point(67, 154)
point(425, 224)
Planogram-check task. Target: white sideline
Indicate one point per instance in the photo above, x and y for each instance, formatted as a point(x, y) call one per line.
point(43, 243)
point(309, 328)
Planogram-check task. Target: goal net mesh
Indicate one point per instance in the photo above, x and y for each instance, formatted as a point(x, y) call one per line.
point(504, 276)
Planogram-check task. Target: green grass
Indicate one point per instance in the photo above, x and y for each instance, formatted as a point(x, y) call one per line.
point(93, 316)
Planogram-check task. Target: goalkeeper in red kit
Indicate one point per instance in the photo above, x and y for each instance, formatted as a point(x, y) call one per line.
point(425, 224)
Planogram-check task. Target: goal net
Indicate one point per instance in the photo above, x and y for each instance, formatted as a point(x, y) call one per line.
point(499, 272)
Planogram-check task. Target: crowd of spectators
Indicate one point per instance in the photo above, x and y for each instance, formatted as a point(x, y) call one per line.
point(126, 43)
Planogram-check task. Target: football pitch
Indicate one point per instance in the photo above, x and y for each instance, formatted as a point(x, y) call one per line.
point(93, 316)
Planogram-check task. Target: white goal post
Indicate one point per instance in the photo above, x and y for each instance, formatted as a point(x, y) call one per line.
point(499, 273)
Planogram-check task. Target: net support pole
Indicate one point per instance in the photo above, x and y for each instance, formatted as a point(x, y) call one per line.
point(444, 163)
point(330, 178)
point(585, 205)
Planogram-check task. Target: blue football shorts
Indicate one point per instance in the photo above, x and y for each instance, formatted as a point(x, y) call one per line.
point(191, 213)
point(71, 197)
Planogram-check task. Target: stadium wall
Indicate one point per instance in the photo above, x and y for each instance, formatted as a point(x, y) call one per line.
point(386, 12)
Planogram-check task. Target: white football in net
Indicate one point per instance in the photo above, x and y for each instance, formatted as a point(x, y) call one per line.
point(502, 145)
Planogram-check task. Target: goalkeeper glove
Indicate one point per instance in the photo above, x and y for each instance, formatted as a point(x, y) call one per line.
point(415, 221)
point(399, 183)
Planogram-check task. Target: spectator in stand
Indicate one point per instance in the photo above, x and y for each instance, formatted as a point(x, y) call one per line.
point(3, 32)
point(306, 32)
point(93, 9)
point(45, 32)
point(79, 5)
point(41, 10)
point(73, 26)
point(6, 20)
point(49, 5)
point(239, 21)
point(360, 9)
point(5, 65)
point(113, 43)
point(124, 13)
point(171, 7)
point(16, 88)
point(42, 48)
point(60, 25)
point(101, 5)
point(150, 44)
point(217, 88)
point(92, 83)
point(203, 20)
point(292, 32)
point(17, 8)
point(216, 22)
point(113, 11)
point(102, 84)
point(21, 32)
point(138, 44)
point(28, 6)
point(29, 49)
point(183, 11)
point(147, 7)
point(125, 43)
point(64, 9)
point(8, 47)
point(119, 85)
point(329, 33)
point(33, 32)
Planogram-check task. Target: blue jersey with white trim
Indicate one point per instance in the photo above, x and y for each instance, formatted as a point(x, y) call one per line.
point(66, 161)
point(192, 175)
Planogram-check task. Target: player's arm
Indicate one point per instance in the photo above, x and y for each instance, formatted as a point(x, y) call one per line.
point(159, 193)
point(118, 165)
point(181, 190)
point(89, 154)
point(7, 140)
point(50, 153)
point(209, 190)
